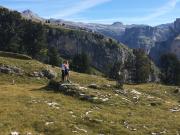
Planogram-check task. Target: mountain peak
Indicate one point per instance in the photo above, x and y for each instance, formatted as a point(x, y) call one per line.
point(31, 15)
point(117, 24)
point(27, 11)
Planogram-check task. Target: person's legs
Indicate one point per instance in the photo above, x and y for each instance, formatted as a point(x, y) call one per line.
point(68, 77)
point(63, 76)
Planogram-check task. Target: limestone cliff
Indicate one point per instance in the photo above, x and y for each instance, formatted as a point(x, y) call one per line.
point(104, 52)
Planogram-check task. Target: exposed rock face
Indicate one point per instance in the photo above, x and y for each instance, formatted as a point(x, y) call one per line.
point(170, 45)
point(134, 36)
point(49, 73)
point(103, 52)
point(77, 91)
point(11, 70)
point(177, 25)
point(139, 37)
point(145, 37)
point(36, 74)
point(175, 47)
point(28, 14)
point(44, 73)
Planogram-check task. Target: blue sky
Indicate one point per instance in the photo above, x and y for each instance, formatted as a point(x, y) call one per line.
point(152, 12)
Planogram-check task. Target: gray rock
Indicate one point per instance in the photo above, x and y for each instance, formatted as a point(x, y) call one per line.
point(74, 90)
point(14, 133)
point(124, 92)
point(94, 86)
point(11, 70)
point(37, 74)
point(177, 91)
point(50, 74)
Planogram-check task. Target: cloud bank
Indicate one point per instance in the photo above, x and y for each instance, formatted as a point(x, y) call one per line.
point(156, 13)
point(79, 7)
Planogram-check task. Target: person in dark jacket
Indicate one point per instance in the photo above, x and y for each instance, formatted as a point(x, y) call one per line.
point(63, 71)
point(66, 71)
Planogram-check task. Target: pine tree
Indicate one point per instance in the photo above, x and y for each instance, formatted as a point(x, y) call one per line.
point(170, 69)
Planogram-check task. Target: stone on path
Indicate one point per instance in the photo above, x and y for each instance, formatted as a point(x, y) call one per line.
point(94, 86)
point(136, 92)
point(15, 133)
point(80, 129)
point(49, 123)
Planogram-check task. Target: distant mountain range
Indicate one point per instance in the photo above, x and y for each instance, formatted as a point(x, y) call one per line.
point(154, 40)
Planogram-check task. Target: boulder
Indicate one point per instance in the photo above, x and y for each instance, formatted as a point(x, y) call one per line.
point(37, 74)
point(50, 74)
point(75, 90)
point(136, 92)
point(14, 133)
point(177, 91)
point(123, 92)
point(6, 69)
point(94, 86)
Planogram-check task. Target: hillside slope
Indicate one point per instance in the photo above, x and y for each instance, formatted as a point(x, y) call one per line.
point(28, 107)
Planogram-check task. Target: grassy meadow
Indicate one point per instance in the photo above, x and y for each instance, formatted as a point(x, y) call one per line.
point(28, 108)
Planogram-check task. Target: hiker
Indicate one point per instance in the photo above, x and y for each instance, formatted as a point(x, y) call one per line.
point(63, 71)
point(66, 71)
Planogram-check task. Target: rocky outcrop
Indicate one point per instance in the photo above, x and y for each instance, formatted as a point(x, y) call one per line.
point(145, 37)
point(50, 74)
point(134, 36)
point(6, 69)
point(103, 52)
point(170, 45)
point(177, 91)
point(29, 15)
point(175, 47)
point(77, 91)
point(177, 25)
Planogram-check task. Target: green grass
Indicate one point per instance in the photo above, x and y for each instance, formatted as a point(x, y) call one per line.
point(24, 108)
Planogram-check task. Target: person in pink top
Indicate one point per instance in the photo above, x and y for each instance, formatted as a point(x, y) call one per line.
point(63, 71)
point(66, 71)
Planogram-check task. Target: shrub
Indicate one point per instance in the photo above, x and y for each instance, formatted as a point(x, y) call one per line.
point(142, 66)
point(81, 63)
point(170, 69)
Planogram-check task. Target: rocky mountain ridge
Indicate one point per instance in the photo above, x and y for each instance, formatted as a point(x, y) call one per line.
point(170, 45)
point(28, 14)
point(134, 36)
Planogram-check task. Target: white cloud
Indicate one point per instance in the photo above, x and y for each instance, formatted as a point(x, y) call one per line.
point(155, 14)
point(168, 7)
point(22, 1)
point(28, 0)
point(79, 7)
